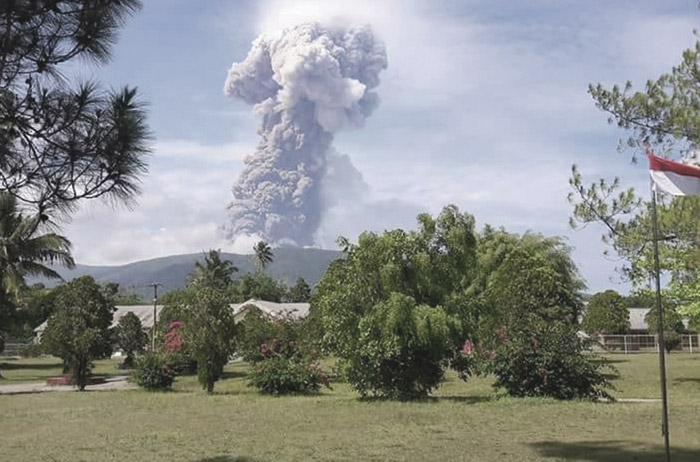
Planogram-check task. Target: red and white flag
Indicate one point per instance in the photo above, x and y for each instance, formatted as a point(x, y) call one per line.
point(673, 177)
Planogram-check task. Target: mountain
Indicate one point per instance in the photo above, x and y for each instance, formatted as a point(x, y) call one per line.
point(289, 264)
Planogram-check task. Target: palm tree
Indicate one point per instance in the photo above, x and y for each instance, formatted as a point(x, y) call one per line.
point(24, 251)
point(214, 272)
point(263, 254)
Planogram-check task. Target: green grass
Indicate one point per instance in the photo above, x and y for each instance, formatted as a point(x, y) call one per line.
point(38, 369)
point(465, 421)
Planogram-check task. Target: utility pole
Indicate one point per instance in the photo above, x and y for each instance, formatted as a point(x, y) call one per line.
point(155, 286)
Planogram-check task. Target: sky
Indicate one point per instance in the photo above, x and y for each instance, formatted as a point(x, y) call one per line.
point(483, 105)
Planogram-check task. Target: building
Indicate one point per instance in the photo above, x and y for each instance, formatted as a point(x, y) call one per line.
point(270, 309)
point(143, 312)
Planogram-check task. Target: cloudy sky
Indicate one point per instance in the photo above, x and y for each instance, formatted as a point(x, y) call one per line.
point(484, 105)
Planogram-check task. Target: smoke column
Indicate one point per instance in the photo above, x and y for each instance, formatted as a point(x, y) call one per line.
point(305, 83)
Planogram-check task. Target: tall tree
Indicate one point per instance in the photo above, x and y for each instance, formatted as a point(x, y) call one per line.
point(60, 144)
point(396, 308)
point(606, 313)
point(25, 249)
point(78, 331)
point(663, 117)
point(213, 272)
point(263, 254)
point(131, 337)
point(208, 331)
point(300, 292)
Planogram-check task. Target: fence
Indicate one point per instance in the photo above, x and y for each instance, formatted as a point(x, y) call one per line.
point(645, 343)
point(14, 349)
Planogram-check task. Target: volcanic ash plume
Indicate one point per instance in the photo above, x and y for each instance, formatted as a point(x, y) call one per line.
point(306, 83)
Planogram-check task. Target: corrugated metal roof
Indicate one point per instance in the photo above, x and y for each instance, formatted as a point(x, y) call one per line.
point(273, 309)
point(143, 312)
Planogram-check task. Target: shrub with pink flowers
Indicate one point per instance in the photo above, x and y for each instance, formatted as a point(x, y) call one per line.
point(280, 363)
point(547, 359)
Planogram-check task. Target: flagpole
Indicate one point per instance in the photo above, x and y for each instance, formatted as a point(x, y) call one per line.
point(660, 327)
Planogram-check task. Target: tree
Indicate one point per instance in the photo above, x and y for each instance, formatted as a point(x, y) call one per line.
point(208, 331)
point(606, 313)
point(131, 337)
point(397, 305)
point(522, 278)
point(214, 272)
point(78, 331)
point(60, 144)
point(26, 245)
point(257, 285)
point(263, 254)
point(300, 292)
point(662, 117)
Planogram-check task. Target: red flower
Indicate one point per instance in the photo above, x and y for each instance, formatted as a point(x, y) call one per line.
point(467, 348)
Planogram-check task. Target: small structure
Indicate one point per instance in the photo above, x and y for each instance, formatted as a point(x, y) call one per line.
point(270, 309)
point(143, 312)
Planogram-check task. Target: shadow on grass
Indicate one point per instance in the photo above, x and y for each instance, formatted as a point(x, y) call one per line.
point(226, 459)
point(687, 380)
point(233, 375)
point(13, 367)
point(429, 399)
point(612, 361)
point(611, 451)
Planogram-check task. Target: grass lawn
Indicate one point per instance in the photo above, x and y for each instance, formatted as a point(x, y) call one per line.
point(466, 421)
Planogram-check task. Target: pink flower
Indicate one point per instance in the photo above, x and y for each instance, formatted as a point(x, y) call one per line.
point(263, 348)
point(468, 348)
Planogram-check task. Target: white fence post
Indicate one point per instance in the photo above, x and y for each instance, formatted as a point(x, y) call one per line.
point(624, 339)
point(690, 340)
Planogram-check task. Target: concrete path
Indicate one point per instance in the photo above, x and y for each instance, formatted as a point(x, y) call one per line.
point(117, 382)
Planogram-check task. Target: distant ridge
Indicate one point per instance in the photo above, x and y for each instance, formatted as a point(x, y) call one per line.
point(289, 264)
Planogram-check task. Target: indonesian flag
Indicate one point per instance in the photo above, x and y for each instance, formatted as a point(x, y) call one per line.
point(674, 178)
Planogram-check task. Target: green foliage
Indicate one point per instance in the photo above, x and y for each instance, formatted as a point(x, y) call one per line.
point(606, 313)
point(280, 375)
point(280, 364)
point(422, 277)
point(257, 329)
point(402, 349)
point(131, 337)
point(154, 372)
point(208, 331)
point(672, 340)
point(527, 284)
point(263, 254)
point(673, 320)
point(547, 360)
point(78, 331)
point(63, 143)
point(257, 285)
point(26, 246)
point(663, 117)
point(214, 272)
point(686, 295)
point(300, 292)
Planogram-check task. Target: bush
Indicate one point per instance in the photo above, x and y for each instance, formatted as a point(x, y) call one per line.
point(257, 330)
point(182, 363)
point(672, 341)
point(403, 350)
point(31, 351)
point(280, 375)
point(153, 372)
point(548, 360)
